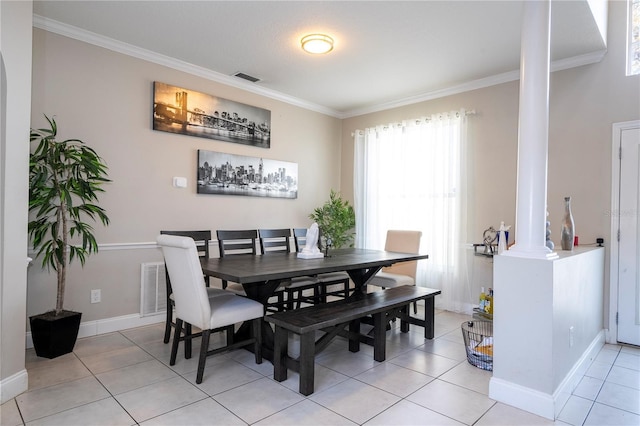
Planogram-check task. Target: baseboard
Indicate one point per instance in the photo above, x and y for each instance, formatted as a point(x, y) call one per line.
point(540, 403)
point(13, 386)
point(109, 325)
point(521, 397)
point(573, 377)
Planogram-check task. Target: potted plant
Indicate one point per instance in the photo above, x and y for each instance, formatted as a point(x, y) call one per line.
point(65, 178)
point(336, 221)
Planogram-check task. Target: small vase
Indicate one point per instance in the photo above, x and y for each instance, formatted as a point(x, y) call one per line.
point(568, 230)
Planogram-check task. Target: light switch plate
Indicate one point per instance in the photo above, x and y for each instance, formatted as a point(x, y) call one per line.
point(180, 182)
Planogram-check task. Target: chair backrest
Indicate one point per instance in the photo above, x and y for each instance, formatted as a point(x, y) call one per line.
point(300, 238)
point(231, 242)
point(189, 291)
point(201, 238)
point(275, 240)
point(403, 242)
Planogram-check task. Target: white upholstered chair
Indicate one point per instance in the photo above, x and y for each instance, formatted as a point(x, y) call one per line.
point(403, 273)
point(210, 314)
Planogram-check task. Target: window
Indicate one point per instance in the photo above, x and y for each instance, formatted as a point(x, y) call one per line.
point(633, 39)
point(412, 176)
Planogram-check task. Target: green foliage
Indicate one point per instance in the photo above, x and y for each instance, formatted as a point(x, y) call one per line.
point(336, 221)
point(65, 178)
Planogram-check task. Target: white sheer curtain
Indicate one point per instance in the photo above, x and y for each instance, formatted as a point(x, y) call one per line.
point(412, 176)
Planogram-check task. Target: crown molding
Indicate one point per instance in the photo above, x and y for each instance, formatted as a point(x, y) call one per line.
point(559, 65)
point(147, 55)
point(80, 34)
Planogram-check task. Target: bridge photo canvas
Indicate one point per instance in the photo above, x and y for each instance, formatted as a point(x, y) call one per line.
point(187, 112)
point(229, 174)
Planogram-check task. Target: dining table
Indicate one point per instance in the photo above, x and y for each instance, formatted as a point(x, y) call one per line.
point(261, 275)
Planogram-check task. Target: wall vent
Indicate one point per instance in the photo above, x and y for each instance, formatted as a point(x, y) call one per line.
point(153, 290)
point(246, 77)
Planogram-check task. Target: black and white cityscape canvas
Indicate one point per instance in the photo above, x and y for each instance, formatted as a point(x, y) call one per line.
point(187, 112)
point(229, 174)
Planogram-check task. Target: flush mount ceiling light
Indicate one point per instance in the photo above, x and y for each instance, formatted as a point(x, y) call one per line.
point(317, 43)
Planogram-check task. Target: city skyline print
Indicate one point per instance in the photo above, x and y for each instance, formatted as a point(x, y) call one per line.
point(230, 174)
point(187, 112)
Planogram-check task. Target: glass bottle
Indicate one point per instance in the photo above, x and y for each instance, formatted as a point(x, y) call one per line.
point(568, 230)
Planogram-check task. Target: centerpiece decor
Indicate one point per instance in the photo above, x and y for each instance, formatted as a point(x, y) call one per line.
point(336, 221)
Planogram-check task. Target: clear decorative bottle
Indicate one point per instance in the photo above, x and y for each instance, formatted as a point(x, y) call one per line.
point(568, 230)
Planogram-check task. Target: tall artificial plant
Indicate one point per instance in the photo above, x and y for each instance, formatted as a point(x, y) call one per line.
point(336, 221)
point(65, 178)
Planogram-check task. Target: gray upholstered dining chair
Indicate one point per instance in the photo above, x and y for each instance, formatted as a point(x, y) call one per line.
point(403, 273)
point(273, 241)
point(331, 283)
point(194, 306)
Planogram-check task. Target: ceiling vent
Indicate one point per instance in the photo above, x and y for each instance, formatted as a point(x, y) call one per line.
point(246, 77)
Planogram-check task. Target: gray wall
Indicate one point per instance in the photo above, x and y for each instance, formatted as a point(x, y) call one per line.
point(105, 99)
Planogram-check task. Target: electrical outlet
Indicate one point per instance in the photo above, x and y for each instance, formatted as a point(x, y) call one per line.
point(96, 296)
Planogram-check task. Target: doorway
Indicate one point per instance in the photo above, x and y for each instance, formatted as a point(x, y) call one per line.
point(624, 318)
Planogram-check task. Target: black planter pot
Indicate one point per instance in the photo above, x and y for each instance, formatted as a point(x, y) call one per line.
point(54, 335)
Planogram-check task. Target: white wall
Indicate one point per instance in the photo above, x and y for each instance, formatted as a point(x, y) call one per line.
point(15, 99)
point(548, 327)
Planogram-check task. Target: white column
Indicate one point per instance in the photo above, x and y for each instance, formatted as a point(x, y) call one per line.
point(533, 133)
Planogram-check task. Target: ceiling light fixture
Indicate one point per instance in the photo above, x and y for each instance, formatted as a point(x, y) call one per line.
point(317, 43)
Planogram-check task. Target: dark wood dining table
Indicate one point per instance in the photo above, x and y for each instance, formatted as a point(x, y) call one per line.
point(261, 275)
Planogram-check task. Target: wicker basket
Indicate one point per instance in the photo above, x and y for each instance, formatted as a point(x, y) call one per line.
point(478, 342)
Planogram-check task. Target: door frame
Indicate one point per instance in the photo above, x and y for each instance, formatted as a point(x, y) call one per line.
point(611, 335)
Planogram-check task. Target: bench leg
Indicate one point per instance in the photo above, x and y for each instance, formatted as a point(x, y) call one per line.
point(429, 317)
point(404, 325)
point(354, 330)
point(280, 351)
point(379, 336)
point(307, 361)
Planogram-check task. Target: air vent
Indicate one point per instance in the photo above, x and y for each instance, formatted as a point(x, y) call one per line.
point(246, 77)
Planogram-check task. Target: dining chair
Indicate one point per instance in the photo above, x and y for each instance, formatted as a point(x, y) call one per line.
point(274, 241)
point(202, 240)
point(193, 305)
point(403, 273)
point(331, 283)
point(236, 242)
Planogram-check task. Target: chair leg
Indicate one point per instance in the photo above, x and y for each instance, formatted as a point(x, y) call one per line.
point(257, 335)
point(229, 332)
point(187, 340)
point(169, 320)
point(203, 355)
point(176, 341)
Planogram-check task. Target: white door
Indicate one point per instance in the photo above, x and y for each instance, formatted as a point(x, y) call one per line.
point(629, 252)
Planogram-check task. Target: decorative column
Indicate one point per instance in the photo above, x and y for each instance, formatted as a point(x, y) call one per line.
point(533, 133)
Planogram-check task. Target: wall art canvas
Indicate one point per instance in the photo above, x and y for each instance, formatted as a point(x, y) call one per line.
point(229, 174)
point(187, 112)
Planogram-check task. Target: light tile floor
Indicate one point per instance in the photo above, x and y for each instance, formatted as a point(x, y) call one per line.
point(123, 378)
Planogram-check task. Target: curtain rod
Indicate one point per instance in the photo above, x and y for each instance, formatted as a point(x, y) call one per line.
point(416, 120)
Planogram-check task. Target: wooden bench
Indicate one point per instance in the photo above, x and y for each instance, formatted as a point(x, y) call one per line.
point(333, 317)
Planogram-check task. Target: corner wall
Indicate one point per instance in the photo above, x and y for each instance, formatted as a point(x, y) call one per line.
point(15, 101)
